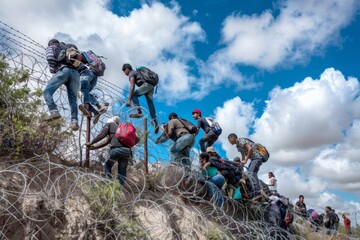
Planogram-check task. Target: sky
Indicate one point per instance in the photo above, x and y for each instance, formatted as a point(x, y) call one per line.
point(283, 73)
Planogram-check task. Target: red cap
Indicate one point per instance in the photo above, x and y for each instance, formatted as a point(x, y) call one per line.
point(196, 111)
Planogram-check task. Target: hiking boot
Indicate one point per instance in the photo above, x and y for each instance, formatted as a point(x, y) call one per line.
point(136, 115)
point(96, 118)
point(84, 108)
point(102, 108)
point(53, 116)
point(74, 126)
point(156, 126)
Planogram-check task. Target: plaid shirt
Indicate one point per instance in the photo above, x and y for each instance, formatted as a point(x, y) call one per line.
point(240, 145)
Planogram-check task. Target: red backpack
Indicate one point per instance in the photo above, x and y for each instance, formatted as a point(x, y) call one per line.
point(126, 134)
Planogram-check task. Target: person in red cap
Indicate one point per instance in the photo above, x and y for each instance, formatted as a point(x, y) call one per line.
point(209, 137)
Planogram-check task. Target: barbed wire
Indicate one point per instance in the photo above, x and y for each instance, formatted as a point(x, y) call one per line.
point(42, 199)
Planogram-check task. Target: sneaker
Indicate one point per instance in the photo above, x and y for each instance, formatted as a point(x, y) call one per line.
point(102, 108)
point(156, 126)
point(136, 115)
point(74, 126)
point(96, 118)
point(53, 116)
point(84, 110)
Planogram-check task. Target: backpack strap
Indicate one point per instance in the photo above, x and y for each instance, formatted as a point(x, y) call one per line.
point(187, 129)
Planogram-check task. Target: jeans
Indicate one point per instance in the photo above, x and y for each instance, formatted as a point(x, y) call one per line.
point(253, 170)
point(208, 138)
point(122, 156)
point(180, 151)
point(148, 90)
point(70, 78)
point(88, 81)
point(213, 186)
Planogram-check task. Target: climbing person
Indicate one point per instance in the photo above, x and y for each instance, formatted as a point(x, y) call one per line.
point(214, 180)
point(209, 136)
point(65, 73)
point(272, 183)
point(347, 224)
point(118, 151)
point(300, 206)
point(249, 151)
point(143, 88)
point(183, 140)
point(91, 69)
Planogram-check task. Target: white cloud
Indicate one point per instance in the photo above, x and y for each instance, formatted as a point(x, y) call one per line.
point(340, 165)
point(235, 116)
point(299, 121)
point(292, 182)
point(301, 28)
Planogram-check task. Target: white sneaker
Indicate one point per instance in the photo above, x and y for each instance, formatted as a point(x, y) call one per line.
point(102, 108)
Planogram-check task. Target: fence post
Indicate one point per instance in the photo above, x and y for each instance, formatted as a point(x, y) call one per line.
point(87, 154)
point(146, 146)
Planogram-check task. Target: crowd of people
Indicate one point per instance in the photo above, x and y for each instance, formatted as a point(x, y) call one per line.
point(221, 177)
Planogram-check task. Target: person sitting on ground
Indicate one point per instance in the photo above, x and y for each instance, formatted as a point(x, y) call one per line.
point(144, 88)
point(209, 137)
point(118, 152)
point(272, 183)
point(215, 180)
point(183, 141)
point(301, 207)
point(249, 151)
point(347, 224)
point(65, 73)
point(88, 81)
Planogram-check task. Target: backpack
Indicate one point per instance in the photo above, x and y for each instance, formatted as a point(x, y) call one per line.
point(95, 63)
point(263, 152)
point(191, 128)
point(222, 164)
point(126, 134)
point(69, 55)
point(148, 75)
point(336, 218)
point(214, 126)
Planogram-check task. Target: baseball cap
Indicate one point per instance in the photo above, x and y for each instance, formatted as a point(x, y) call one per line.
point(196, 111)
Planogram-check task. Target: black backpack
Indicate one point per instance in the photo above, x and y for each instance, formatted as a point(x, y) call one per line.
point(148, 75)
point(69, 55)
point(191, 128)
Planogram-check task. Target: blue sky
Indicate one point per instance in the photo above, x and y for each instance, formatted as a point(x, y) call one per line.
point(284, 73)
